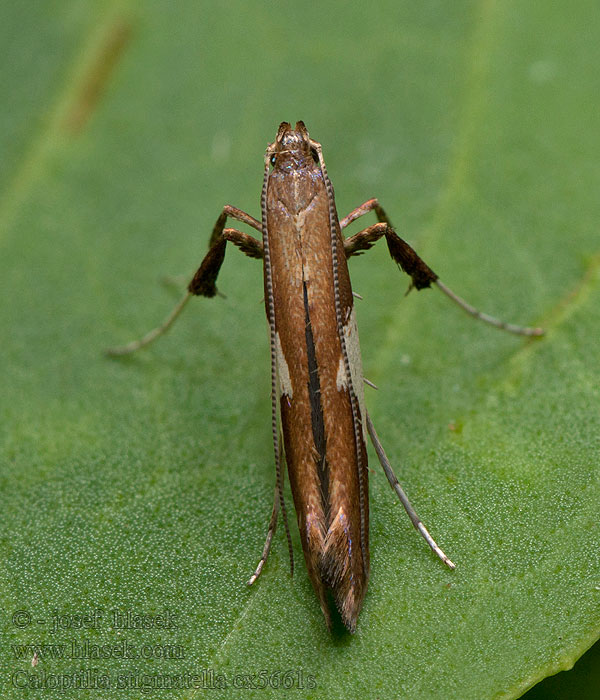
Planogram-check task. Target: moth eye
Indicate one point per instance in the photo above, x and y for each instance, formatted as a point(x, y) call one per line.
point(314, 155)
point(272, 160)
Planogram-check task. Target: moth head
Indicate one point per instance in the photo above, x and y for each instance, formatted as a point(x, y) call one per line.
point(291, 145)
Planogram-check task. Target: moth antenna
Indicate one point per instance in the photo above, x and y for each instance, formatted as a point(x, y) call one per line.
point(271, 314)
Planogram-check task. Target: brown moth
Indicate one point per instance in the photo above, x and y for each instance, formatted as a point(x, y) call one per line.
point(316, 371)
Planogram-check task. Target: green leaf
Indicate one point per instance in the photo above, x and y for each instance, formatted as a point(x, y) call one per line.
point(144, 485)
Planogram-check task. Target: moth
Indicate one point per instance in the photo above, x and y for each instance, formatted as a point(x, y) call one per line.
point(319, 421)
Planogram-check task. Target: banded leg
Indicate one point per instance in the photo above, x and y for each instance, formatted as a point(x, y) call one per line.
point(412, 514)
point(422, 275)
point(203, 282)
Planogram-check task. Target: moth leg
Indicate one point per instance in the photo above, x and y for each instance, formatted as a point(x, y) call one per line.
point(203, 282)
point(234, 213)
point(365, 208)
point(153, 334)
point(412, 514)
point(269, 540)
point(277, 503)
point(422, 275)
